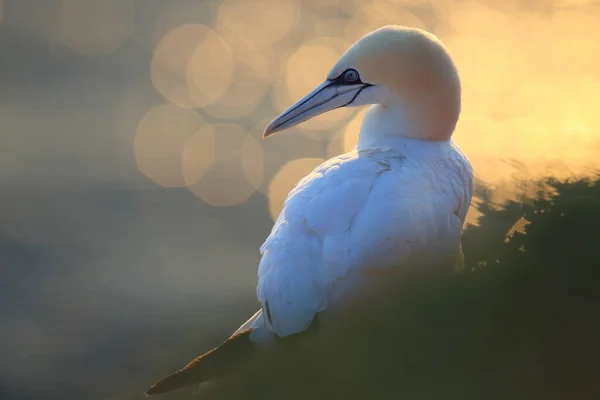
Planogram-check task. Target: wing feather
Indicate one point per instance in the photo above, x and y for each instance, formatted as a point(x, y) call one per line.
point(353, 211)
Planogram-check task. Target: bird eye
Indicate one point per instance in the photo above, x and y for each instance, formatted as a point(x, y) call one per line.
point(351, 75)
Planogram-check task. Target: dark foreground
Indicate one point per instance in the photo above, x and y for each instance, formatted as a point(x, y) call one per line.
point(522, 322)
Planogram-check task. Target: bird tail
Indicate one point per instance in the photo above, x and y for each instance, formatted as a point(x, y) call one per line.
point(212, 364)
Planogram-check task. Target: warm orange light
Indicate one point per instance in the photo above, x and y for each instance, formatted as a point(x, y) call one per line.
point(160, 140)
point(530, 86)
point(236, 171)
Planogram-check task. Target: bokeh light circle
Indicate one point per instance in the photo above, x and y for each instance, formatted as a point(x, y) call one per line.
point(243, 97)
point(346, 138)
point(192, 66)
point(279, 149)
point(210, 70)
point(236, 171)
point(160, 138)
point(198, 155)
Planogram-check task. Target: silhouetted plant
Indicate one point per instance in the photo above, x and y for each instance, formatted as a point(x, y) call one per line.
point(521, 322)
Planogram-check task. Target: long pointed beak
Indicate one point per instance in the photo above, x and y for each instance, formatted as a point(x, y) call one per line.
point(327, 96)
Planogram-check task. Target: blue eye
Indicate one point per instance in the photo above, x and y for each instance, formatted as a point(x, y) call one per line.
point(351, 75)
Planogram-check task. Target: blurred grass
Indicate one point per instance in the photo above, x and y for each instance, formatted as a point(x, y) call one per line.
point(521, 322)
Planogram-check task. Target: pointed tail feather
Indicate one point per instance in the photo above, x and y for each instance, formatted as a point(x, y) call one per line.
point(210, 365)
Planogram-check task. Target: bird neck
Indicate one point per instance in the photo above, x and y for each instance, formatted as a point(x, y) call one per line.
point(425, 118)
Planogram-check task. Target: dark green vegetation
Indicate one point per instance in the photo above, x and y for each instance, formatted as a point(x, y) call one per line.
point(521, 322)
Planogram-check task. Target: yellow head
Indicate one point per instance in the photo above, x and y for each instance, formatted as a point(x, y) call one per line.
point(405, 69)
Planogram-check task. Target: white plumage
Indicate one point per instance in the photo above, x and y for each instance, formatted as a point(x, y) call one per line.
point(372, 208)
point(395, 205)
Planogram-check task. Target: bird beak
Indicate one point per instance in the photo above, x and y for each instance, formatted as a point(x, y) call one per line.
point(327, 96)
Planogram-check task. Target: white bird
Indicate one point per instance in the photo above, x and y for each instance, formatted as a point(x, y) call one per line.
point(395, 204)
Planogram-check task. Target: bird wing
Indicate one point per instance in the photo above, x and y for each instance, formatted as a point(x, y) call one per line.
point(360, 209)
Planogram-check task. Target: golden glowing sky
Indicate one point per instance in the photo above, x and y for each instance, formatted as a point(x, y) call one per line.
point(530, 73)
point(136, 188)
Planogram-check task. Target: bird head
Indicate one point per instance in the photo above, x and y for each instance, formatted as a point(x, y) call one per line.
point(406, 69)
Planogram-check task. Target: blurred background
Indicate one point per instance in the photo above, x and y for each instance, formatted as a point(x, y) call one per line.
point(136, 189)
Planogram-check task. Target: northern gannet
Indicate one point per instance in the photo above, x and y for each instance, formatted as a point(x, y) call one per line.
point(395, 204)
